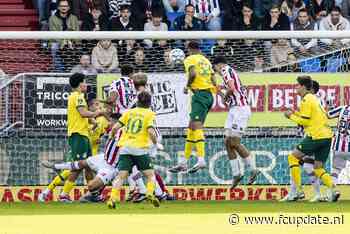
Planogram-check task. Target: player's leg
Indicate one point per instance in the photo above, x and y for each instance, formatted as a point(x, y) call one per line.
point(308, 167)
point(140, 189)
point(234, 162)
point(338, 164)
point(80, 147)
point(58, 180)
point(162, 186)
point(322, 148)
point(125, 165)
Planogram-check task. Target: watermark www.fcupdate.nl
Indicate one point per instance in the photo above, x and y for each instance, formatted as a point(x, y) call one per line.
point(282, 219)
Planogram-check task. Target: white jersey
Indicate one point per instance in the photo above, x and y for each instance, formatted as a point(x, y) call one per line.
point(126, 93)
point(111, 152)
point(341, 137)
point(233, 83)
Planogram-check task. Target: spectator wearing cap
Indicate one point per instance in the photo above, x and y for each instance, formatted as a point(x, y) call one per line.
point(304, 22)
point(105, 57)
point(84, 66)
point(209, 12)
point(335, 22)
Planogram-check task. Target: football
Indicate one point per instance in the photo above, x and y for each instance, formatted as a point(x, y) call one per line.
point(177, 56)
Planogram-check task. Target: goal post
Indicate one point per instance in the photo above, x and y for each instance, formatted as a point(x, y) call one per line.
point(33, 97)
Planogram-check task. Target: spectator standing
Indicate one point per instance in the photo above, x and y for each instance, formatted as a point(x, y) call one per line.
point(188, 21)
point(84, 66)
point(96, 20)
point(125, 22)
point(81, 8)
point(209, 12)
point(304, 23)
point(105, 57)
point(115, 6)
point(291, 8)
point(335, 22)
point(156, 24)
point(142, 9)
point(320, 8)
point(62, 20)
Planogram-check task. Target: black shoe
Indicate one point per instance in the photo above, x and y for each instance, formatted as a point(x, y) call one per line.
point(140, 197)
point(236, 180)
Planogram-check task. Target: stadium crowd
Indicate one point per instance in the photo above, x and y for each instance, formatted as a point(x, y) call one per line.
point(187, 15)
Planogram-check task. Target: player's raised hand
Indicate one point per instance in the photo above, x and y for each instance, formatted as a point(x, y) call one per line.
point(288, 113)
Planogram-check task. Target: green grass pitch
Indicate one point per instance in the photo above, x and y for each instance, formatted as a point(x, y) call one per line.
point(174, 207)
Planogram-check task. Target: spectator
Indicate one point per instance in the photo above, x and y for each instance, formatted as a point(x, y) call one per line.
point(209, 12)
point(221, 48)
point(320, 8)
point(247, 21)
point(105, 57)
point(262, 7)
point(281, 51)
point(42, 7)
point(345, 9)
point(62, 20)
point(230, 11)
point(95, 21)
point(188, 22)
point(115, 6)
point(291, 8)
point(139, 60)
point(85, 66)
point(124, 23)
point(156, 25)
point(304, 23)
point(174, 5)
point(142, 9)
point(335, 22)
point(81, 8)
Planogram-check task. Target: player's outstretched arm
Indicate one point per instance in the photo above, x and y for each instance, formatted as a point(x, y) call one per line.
point(335, 112)
point(153, 135)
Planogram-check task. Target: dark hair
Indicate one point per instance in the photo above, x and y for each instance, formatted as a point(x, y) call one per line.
point(303, 10)
point(315, 86)
point(194, 45)
point(91, 100)
point(144, 100)
point(290, 3)
point(76, 79)
point(305, 81)
point(157, 13)
point(188, 5)
point(59, 2)
point(336, 8)
point(126, 70)
point(115, 116)
point(124, 7)
point(219, 59)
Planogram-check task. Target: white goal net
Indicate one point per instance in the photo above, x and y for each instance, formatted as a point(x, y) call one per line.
point(33, 94)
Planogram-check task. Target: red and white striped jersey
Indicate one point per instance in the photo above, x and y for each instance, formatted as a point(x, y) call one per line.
point(126, 93)
point(111, 152)
point(232, 82)
point(341, 139)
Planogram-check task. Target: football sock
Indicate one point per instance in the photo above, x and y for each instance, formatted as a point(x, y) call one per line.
point(315, 182)
point(161, 183)
point(235, 167)
point(115, 194)
point(58, 180)
point(150, 186)
point(158, 191)
point(189, 143)
point(68, 186)
point(198, 136)
point(67, 166)
point(132, 183)
point(295, 171)
point(325, 177)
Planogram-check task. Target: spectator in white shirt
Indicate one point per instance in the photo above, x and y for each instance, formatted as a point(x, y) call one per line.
point(335, 22)
point(156, 24)
point(209, 12)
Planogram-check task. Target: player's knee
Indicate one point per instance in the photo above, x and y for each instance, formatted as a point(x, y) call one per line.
point(235, 141)
point(318, 164)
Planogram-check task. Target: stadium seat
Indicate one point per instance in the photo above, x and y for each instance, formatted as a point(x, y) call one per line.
point(334, 63)
point(310, 65)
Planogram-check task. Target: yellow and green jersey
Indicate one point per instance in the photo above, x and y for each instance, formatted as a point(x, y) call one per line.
point(203, 69)
point(136, 121)
point(313, 117)
point(76, 123)
point(95, 134)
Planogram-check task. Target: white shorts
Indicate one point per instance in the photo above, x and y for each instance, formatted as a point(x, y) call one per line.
point(237, 121)
point(103, 170)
